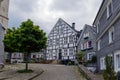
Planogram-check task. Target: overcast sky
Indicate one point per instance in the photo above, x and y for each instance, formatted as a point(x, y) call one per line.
point(45, 13)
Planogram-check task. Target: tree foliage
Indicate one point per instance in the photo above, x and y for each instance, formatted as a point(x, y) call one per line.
point(9, 41)
point(26, 39)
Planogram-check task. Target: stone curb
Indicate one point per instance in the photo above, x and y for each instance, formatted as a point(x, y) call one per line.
point(29, 78)
point(36, 75)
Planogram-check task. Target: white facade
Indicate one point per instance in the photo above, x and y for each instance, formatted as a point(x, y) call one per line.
point(62, 41)
point(17, 57)
point(36, 55)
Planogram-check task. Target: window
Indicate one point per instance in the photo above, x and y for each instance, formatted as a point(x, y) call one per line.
point(98, 24)
point(102, 63)
point(71, 39)
point(60, 50)
point(99, 42)
point(50, 42)
point(14, 56)
point(118, 60)
point(61, 40)
point(82, 47)
point(111, 35)
point(86, 35)
point(65, 52)
point(57, 41)
point(19, 55)
point(65, 40)
point(56, 51)
point(34, 56)
point(89, 55)
point(71, 51)
point(86, 45)
point(90, 44)
point(109, 9)
point(61, 31)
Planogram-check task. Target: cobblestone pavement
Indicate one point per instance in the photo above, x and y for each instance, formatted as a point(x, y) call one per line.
point(9, 72)
point(59, 72)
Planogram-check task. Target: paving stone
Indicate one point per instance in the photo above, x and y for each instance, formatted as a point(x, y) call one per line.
point(59, 72)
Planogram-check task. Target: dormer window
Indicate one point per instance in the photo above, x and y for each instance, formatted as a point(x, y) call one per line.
point(109, 9)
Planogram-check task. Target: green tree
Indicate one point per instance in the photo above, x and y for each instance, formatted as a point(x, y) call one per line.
point(28, 38)
point(108, 73)
point(8, 41)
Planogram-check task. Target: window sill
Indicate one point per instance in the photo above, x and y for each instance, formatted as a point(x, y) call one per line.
point(86, 37)
point(98, 49)
point(86, 49)
point(110, 43)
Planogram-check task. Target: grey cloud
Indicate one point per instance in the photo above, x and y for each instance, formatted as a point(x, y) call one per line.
point(71, 5)
point(79, 11)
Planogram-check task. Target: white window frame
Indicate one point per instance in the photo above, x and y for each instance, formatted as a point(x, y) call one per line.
point(65, 52)
point(86, 34)
point(111, 38)
point(71, 39)
point(71, 51)
point(87, 45)
point(99, 45)
point(88, 55)
point(65, 40)
point(116, 68)
point(82, 47)
point(110, 2)
point(102, 63)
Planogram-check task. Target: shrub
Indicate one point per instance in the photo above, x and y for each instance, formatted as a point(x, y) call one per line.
point(69, 63)
point(25, 71)
point(79, 56)
point(108, 73)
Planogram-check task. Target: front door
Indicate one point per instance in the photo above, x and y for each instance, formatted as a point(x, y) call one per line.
point(60, 54)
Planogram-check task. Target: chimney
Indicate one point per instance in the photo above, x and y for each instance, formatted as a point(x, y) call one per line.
point(73, 25)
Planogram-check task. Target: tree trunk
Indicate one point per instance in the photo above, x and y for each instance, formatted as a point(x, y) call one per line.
point(26, 61)
point(10, 56)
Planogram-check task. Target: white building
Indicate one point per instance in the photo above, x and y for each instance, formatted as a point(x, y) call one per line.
point(62, 41)
point(17, 57)
point(37, 55)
